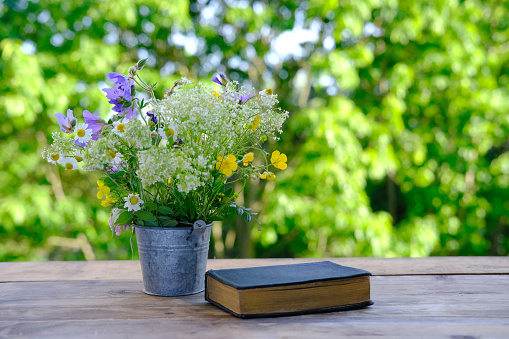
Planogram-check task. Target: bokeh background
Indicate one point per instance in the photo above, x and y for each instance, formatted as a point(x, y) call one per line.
point(397, 141)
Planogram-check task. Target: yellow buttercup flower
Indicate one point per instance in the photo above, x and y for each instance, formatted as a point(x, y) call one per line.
point(279, 160)
point(248, 158)
point(268, 175)
point(108, 201)
point(102, 190)
point(227, 164)
point(256, 122)
point(269, 91)
point(112, 154)
point(214, 93)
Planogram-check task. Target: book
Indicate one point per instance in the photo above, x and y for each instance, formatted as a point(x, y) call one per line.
point(288, 289)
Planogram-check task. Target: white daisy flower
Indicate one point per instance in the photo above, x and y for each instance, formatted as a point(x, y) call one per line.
point(119, 127)
point(69, 163)
point(55, 158)
point(78, 156)
point(133, 202)
point(83, 133)
point(267, 97)
point(167, 132)
point(115, 156)
point(266, 91)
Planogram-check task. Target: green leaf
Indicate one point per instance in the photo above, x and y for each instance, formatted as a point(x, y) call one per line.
point(125, 218)
point(192, 209)
point(126, 104)
point(145, 216)
point(108, 182)
point(229, 192)
point(118, 174)
point(150, 206)
point(167, 222)
point(137, 221)
point(165, 210)
point(115, 213)
point(216, 218)
point(151, 223)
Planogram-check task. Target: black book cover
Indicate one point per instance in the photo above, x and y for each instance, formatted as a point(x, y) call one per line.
point(283, 275)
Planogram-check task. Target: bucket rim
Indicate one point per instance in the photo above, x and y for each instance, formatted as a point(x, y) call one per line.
point(188, 226)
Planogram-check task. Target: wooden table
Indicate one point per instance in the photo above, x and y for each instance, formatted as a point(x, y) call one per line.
point(450, 297)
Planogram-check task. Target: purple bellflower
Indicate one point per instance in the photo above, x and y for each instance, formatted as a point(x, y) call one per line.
point(221, 80)
point(67, 123)
point(153, 117)
point(243, 98)
point(120, 94)
point(130, 112)
point(112, 169)
point(94, 122)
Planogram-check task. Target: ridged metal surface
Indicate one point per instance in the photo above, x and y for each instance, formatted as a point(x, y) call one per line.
point(174, 259)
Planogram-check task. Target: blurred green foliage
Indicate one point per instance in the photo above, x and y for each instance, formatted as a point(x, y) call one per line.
point(397, 144)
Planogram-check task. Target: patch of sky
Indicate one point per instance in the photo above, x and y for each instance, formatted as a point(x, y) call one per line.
point(370, 29)
point(57, 40)
point(28, 47)
point(81, 87)
point(144, 10)
point(169, 68)
point(147, 26)
point(289, 43)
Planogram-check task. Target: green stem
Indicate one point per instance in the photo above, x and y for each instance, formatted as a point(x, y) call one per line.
point(116, 183)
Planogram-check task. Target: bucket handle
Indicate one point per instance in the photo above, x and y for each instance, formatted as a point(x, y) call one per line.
point(199, 228)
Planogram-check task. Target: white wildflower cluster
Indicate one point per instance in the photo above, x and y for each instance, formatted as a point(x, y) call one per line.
point(138, 135)
point(62, 147)
point(179, 153)
point(102, 152)
point(160, 165)
point(213, 123)
point(172, 165)
point(188, 181)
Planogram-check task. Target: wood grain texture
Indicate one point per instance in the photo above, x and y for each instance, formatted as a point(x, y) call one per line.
point(130, 269)
point(394, 296)
point(96, 300)
point(161, 328)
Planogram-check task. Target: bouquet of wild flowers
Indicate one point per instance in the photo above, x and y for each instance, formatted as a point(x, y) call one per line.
point(167, 161)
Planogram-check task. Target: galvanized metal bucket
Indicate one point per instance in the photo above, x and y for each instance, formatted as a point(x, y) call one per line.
point(173, 259)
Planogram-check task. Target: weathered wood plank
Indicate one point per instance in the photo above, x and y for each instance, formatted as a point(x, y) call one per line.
point(394, 296)
point(130, 269)
point(466, 298)
point(294, 327)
